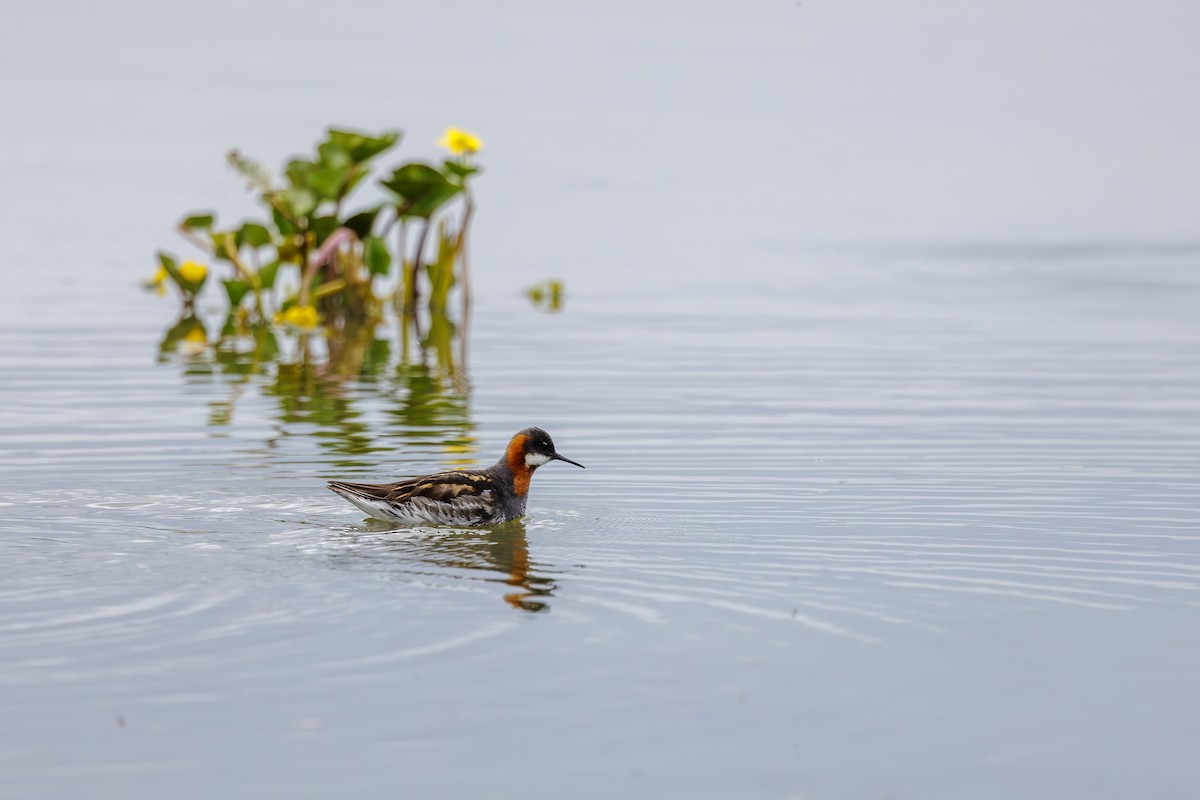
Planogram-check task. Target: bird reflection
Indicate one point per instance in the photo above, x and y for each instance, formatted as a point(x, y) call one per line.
point(496, 553)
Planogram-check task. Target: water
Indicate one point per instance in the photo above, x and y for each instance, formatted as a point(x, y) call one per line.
point(928, 513)
point(901, 521)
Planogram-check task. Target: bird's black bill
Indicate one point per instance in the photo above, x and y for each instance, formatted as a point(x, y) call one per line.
point(557, 457)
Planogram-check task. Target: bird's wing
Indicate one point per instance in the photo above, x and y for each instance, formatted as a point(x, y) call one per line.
point(443, 487)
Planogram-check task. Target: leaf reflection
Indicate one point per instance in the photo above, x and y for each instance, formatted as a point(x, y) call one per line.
point(413, 368)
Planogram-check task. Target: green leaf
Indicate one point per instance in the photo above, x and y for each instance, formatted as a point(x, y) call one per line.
point(266, 275)
point(360, 146)
point(219, 240)
point(322, 227)
point(282, 223)
point(168, 263)
point(376, 256)
point(332, 155)
point(296, 203)
point(362, 222)
point(236, 288)
point(441, 272)
point(289, 252)
point(326, 182)
point(421, 188)
point(252, 234)
point(198, 222)
point(460, 169)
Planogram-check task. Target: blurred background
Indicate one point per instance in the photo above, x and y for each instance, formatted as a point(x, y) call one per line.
point(879, 344)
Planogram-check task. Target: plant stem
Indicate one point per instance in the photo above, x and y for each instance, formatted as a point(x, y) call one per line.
point(460, 251)
point(414, 291)
point(309, 269)
point(248, 276)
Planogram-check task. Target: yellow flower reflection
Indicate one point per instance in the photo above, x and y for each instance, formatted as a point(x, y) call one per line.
point(298, 316)
point(460, 142)
point(193, 272)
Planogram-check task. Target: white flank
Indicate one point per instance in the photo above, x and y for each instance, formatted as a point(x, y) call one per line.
point(376, 508)
point(423, 511)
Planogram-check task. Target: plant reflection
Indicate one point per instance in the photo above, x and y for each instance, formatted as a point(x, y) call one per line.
point(500, 551)
point(415, 378)
point(417, 374)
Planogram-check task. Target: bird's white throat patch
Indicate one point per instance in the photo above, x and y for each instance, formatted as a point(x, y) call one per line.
point(535, 459)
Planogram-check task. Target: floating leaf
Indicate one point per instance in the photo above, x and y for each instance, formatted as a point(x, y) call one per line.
point(546, 296)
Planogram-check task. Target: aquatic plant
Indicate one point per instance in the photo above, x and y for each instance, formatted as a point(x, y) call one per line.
point(313, 257)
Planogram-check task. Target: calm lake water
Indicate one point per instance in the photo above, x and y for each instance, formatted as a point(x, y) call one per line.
point(857, 521)
point(876, 526)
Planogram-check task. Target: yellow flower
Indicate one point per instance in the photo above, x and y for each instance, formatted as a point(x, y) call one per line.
point(460, 142)
point(196, 336)
point(299, 317)
point(159, 282)
point(193, 272)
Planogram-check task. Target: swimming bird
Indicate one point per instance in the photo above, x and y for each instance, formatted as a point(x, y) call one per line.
point(462, 497)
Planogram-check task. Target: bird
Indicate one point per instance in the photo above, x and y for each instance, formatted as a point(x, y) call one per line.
point(488, 496)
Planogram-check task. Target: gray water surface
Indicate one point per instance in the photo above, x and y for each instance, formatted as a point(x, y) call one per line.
point(911, 520)
point(920, 525)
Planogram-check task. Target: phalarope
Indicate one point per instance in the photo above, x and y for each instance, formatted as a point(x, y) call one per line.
point(462, 497)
